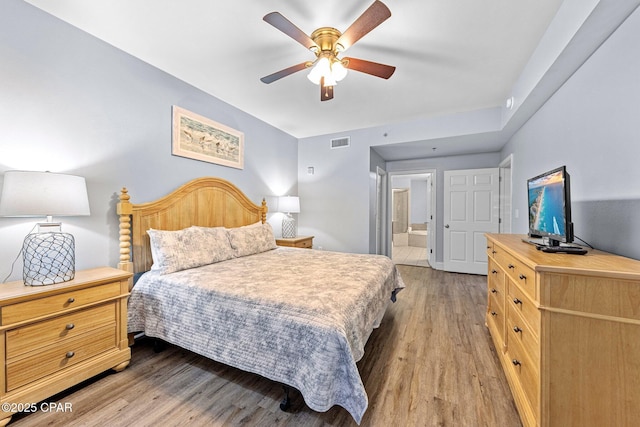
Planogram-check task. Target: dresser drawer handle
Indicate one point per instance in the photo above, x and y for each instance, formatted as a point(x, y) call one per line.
point(494, 291)
point(522, 277)
point(516, 362)
point(511, 266)
point(69, 354)
point(493, 313)
point(69, 326)
point(494, 271)
point(516, 329)
point(494, 252)
point(517, 301)
point(70, 300)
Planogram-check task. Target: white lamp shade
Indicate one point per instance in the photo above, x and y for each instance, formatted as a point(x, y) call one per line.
point(43, 194)
point(289, 204)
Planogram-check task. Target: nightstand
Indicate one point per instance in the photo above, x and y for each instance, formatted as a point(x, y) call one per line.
point(55, 336)
point(296, 242)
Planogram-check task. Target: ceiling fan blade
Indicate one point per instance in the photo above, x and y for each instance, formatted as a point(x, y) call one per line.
point(284, 73)
point(368, 67)
point(377, 13)
point(326, 92)
point(287, 27)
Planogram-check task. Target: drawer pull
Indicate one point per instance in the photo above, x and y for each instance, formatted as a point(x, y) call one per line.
point(494, 271)
point(70, 300)
point(493, 313)
point(516, 329)
point(522, 277)
point(494, 252)
point(69, 326)
point(511, 266)
point(494, 291)
point(516, 362)
point(69, 354)
point(517, 301)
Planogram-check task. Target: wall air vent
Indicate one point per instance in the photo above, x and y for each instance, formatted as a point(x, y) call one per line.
point(340, 142)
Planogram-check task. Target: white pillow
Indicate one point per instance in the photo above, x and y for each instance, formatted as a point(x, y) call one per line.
point(252, 240)
point(188, 248)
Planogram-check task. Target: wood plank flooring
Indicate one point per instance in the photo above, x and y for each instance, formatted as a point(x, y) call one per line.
point(431, 363)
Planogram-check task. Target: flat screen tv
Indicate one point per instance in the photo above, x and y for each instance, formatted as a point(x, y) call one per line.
point(550, 207)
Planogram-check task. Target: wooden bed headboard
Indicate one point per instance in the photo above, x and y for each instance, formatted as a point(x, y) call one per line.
point(206, 202)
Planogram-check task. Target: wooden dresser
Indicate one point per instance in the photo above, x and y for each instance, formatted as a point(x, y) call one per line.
point(567, 331)
point(56, 336)
point(296, 242)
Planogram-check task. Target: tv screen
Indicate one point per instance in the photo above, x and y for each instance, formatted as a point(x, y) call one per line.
point(550, 206)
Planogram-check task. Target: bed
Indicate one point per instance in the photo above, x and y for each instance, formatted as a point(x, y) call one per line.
point(212, 281)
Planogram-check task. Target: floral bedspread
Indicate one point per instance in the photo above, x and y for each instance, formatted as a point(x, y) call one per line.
point(296, 316)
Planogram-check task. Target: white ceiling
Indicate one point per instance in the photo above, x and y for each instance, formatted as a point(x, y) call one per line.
point(451, 55)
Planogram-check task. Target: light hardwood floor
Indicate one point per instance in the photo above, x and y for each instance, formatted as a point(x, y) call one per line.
point(431, 363)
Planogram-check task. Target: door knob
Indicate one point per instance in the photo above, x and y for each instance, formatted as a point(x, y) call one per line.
point(446, 226)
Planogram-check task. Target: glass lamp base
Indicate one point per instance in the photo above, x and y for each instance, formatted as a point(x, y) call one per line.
point(48, 258)
point(288, 227)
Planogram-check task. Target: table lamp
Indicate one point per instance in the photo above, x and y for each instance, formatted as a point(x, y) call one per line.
point(288, 205)
point(48, 253)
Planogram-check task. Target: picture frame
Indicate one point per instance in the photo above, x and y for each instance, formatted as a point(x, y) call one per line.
point(199, 138)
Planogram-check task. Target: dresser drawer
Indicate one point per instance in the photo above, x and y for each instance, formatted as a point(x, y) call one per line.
point(40, 334)
point(495, 320)
point(521, 274)
point(525, 372)
point(59, 356)
point(496, 280)
point(519, 302)
point(56, 303)
point(519, 330)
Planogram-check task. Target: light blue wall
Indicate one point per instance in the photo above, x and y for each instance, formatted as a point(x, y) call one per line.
point(72, 103)
point(336, 197)
point(591, 124)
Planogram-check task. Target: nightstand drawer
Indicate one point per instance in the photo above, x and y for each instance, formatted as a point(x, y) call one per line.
point(37, 335)
point(304, 244)
point(29, 310)
point(59, 356)
point(296, 242)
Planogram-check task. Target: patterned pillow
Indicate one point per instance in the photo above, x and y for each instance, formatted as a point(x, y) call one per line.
point(188, 248)
point(252, 240)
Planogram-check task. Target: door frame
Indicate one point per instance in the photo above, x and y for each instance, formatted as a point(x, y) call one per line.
point(506, 194)
point(431, 233)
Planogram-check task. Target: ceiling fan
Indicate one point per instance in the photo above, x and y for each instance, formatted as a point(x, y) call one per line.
point(327, 43)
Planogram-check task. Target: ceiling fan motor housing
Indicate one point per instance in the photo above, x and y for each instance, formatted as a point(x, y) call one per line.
point(326, 38)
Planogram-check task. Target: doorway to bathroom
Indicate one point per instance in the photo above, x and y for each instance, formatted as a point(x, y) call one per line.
point(412, 217)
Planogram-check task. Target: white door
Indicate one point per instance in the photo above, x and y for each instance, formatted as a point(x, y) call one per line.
point(471, 208)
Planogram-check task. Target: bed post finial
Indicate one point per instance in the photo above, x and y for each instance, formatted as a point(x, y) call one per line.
point(124, 212)
point(265, 209)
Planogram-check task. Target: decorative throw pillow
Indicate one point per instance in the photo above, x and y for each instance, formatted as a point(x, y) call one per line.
point(188, 248)
point(252, 240)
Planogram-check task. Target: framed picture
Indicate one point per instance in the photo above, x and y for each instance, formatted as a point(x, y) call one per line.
point(199, 138)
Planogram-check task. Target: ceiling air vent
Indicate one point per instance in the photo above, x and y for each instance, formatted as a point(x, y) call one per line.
point(340, 142)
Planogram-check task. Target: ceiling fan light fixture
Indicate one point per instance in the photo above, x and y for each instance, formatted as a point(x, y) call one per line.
point(331, 68)
point(338, 70)
point(322, 68)
point(327, 43)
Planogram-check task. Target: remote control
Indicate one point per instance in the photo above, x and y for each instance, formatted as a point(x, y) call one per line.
point(564, 249)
